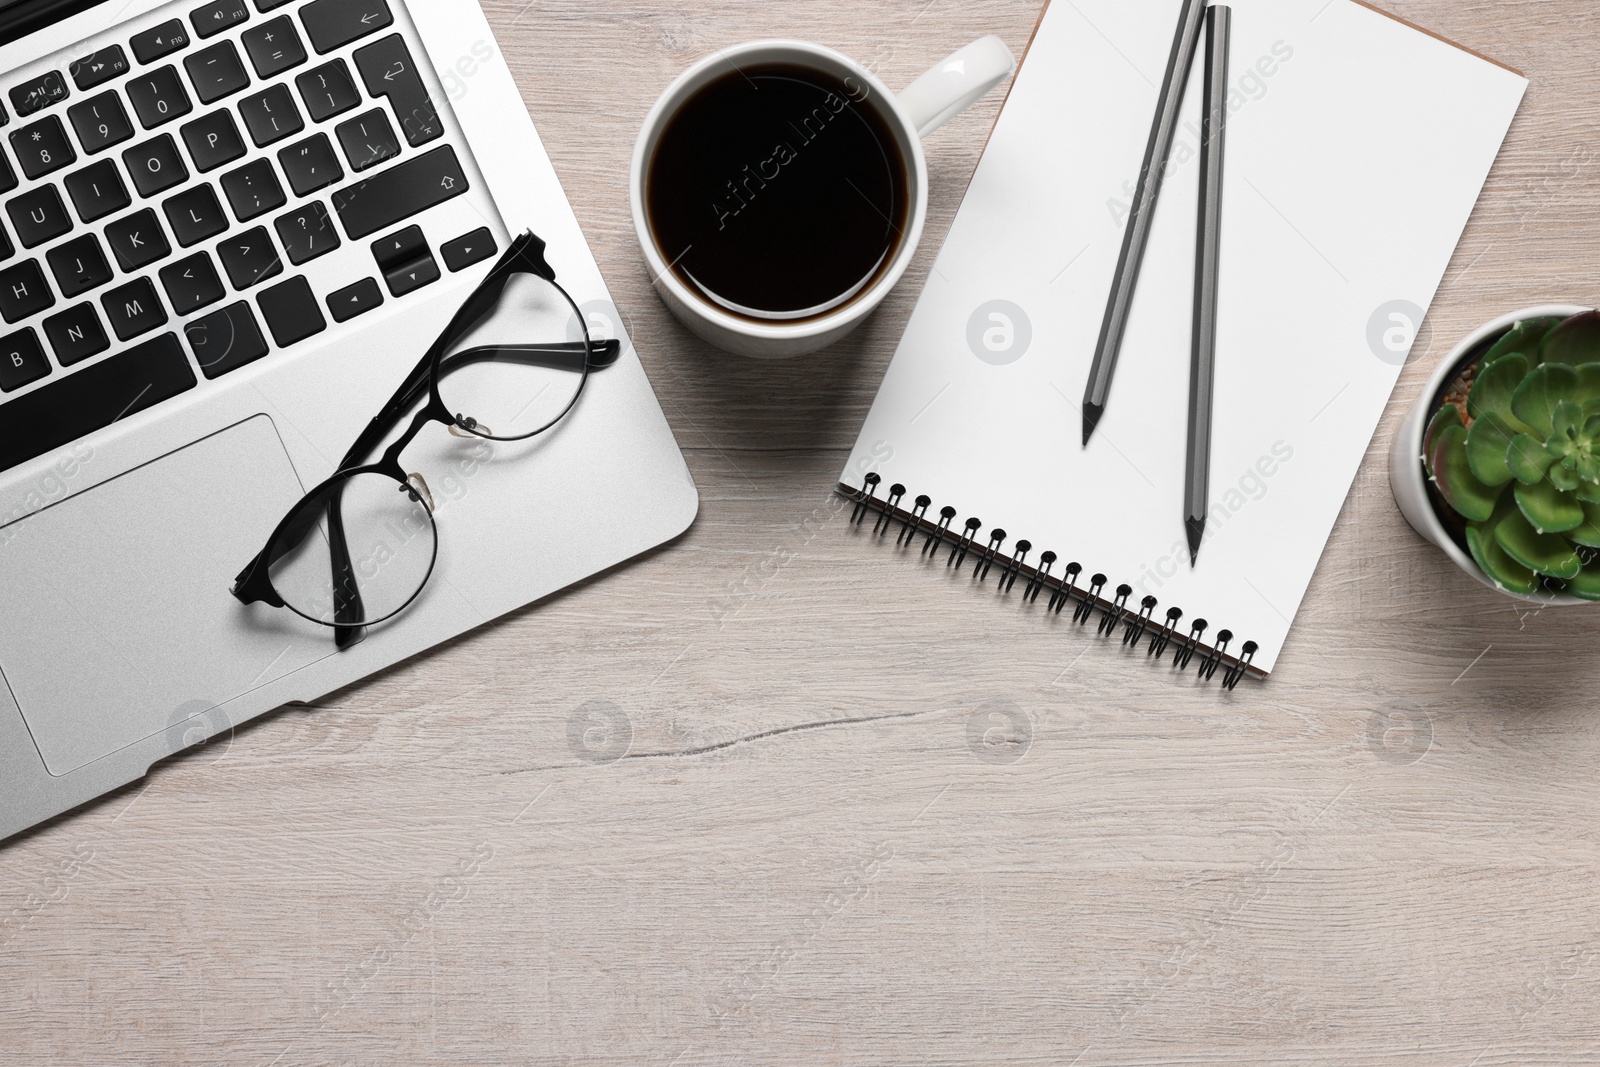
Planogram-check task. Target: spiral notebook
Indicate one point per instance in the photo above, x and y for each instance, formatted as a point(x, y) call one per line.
point(1357, 148)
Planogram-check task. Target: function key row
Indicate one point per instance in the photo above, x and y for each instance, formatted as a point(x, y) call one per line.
point(273, 47)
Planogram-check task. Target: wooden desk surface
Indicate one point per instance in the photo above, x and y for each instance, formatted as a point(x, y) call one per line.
point(772, 797)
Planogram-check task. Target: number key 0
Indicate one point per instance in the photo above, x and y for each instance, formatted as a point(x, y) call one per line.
point(159, 97)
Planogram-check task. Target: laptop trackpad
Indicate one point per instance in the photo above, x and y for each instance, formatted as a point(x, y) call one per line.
point(115, 618)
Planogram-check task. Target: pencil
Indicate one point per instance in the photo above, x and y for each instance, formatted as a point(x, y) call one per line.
point(1203, 360)
point(1142, 216)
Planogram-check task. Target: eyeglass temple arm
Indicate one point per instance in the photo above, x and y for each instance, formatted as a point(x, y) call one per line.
point(526, 253)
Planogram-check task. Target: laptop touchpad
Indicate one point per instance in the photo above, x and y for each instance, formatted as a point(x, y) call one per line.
point(115, 617)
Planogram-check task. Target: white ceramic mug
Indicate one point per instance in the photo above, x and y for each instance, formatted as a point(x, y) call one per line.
point(932, 100)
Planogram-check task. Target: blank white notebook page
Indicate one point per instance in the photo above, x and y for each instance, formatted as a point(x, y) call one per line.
point(1356, 149)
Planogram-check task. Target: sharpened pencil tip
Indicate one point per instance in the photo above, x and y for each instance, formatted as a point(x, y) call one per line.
point(1091, 419)
point(1197, 534)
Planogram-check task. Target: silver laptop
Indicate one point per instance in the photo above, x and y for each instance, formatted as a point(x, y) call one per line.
point(176, 172)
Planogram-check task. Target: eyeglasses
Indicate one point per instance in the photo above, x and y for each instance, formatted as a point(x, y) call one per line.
point(359, 548)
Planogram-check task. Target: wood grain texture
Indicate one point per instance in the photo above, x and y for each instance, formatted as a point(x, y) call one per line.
point(771, 796)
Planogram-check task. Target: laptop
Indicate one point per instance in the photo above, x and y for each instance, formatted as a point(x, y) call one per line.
point(172, 170)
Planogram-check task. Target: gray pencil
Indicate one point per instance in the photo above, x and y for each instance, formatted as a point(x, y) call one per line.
point(1203, 363)
point(1142, 217)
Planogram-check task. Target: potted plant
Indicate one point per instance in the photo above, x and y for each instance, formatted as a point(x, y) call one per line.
point(1499, 462)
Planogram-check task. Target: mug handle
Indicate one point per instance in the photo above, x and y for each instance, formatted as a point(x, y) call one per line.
point(957, 83)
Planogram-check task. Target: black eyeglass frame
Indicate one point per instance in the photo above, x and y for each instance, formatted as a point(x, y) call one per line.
point(524, 256)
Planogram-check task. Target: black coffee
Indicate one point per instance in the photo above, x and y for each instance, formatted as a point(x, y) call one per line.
point(778, 192)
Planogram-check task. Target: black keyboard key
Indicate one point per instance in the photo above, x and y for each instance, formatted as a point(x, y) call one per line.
point(368, 139)
point(310, 164)
point(76, 334)
point(79, 265)
point(22, 362)
point(42, 147)
point(40, 93)
point(100, 122)
point(216, 72)
point(264, 6)
point(194, 215)
point(331, 23)
point(23, 291)
point(226, 339)
point(97, 190)
point(387, 69)
point(159, 96)
point(358, 299)
point(92, 399)
point(468, 249)
point(412, 276)
point(137, 240)
point(378, 202)
point(133, 309)
point(191, 283)
point(8, 177)
point(38, 215)
point(165, 39)
point(291, 311)
point(307, 232)
point(249, 258)
point(405, 261)
point(327, 90)
point(252, 189)
point(96, 68)
point(155, 165)
point(271, 115)
point(5, 245)
point(213, 140)
point(217, 16)
point(273, 47)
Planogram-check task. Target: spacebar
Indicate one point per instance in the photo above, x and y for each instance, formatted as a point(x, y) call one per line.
point(92, 399)
point(399, 192)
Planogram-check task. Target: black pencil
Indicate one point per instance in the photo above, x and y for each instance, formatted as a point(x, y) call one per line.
point(1140, 219)
point(1203, 361)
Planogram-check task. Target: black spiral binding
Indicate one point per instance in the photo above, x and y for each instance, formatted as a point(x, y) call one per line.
point(989, 556)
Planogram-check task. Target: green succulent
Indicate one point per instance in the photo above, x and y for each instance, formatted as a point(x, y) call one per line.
point(1523, 468)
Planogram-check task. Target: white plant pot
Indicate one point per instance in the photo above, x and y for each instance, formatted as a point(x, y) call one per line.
point(1408, 475)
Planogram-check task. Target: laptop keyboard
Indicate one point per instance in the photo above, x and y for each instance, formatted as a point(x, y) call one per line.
point(161, 192)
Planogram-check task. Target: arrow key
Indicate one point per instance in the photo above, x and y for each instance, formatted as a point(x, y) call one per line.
point(405, 261)
point(358, 299)
point(468, 249)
